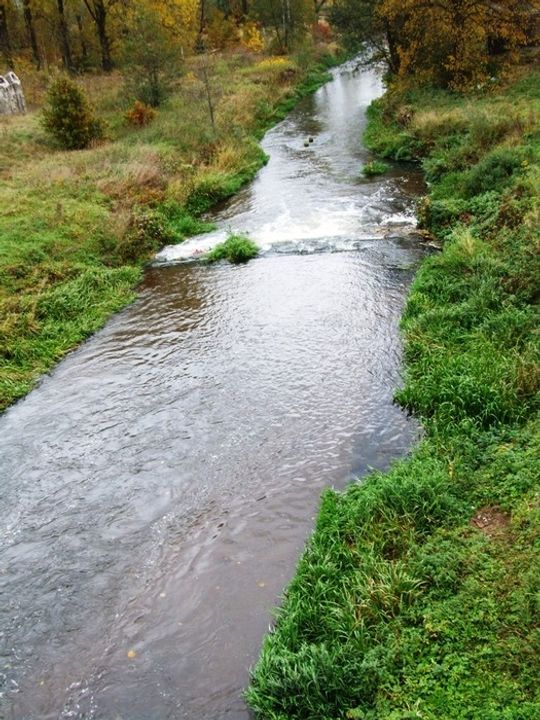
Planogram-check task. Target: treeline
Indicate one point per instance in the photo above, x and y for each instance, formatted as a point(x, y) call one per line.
point(89, 34)
point(456, 44)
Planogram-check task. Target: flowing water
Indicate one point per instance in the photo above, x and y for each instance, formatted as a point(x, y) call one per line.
point(157, 488)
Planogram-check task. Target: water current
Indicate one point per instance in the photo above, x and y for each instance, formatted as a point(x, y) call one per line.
point(157, 488)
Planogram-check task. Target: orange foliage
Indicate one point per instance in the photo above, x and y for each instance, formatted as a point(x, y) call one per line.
point(450, 42)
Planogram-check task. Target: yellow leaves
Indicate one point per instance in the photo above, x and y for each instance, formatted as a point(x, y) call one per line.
point(178, 16)
point(448, 41)
point(251, 38)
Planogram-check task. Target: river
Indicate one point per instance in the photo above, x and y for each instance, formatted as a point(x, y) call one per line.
point(157, 488)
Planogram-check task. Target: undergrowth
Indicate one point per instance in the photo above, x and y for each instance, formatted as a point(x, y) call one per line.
point(418, 595)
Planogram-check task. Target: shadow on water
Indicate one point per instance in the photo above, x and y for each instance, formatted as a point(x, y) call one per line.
point(157, 488)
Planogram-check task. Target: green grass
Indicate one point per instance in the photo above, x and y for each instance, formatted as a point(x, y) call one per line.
point(237, 249)
point(374, 168)
point(79, 226)
point(418, 595)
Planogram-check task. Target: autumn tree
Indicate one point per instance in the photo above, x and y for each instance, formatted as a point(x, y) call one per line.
point(445, 42)
point(364, 27)
point(288, 19)
point(181, 18)
point(65, 41)
point(151, 57)
point(30, 29)
point(99, 11)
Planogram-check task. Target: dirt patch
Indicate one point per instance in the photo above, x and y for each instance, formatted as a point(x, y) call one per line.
point(492, 521)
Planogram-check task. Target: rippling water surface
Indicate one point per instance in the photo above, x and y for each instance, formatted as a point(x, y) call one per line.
point(157, 488)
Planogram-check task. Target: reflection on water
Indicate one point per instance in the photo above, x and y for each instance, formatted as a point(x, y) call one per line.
point(157, 488)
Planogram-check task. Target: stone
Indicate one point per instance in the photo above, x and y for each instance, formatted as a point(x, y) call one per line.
point(12, 100)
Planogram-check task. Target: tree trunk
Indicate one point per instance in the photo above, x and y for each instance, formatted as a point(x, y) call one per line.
point(286, 11)
point(199, 47)
point(29, 22)
point(104, 41)
point(84, 48)
point(319, 4)
point(64, 37)
point(5, 44)
point(394, 58)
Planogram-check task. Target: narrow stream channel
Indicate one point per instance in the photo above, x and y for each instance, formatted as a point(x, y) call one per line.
point(157, 488)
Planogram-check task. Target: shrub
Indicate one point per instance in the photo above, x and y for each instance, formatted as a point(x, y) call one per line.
point(146, 234)
point(140, 115)
point(68, 117)
point(494, 172)
point(236, 249)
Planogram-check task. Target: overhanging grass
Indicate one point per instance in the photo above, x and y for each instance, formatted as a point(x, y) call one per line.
point(418, 595)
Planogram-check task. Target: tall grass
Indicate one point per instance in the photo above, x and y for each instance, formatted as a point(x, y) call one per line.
point(417, 595)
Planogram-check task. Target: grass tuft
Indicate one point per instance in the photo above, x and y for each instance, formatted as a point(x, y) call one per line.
point(237, 249)
point(374, 168)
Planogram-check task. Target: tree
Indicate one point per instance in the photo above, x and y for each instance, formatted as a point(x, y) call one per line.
point(181, 19)
point(64, 37)
point(68, 117)
point(364, 27)
point(287, 18)
point(29, 22)
point(151, 56)
point(5, 42)
point(99, 12)
point(445, 42)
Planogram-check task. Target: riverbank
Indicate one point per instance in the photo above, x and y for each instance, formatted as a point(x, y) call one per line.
point(77, 227)
point(417, 595)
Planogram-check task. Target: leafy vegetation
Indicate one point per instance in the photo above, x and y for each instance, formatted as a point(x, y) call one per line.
point(237, 249)
point(418, 593)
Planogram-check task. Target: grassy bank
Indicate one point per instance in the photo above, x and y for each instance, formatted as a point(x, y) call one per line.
point(77, 227)
point(418, 596)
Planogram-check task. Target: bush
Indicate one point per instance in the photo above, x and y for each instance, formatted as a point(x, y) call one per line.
point(236, 249)
point(147, 233)
point(494, 172)
point(68, 116)
point(140, 114)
